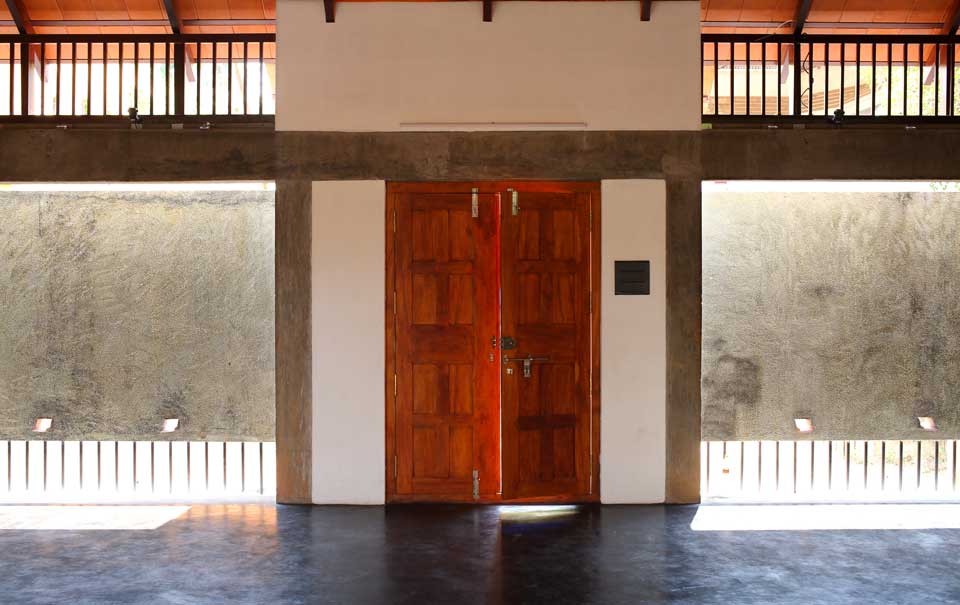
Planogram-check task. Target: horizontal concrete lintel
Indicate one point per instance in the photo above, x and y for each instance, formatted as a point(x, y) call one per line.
point(236, 154)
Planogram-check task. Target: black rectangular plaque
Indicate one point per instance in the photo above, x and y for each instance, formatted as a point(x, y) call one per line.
point(631, 277)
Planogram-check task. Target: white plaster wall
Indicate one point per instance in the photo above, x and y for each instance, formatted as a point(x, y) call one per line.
point(348, 350)
point(412, 65)
point(633, 346)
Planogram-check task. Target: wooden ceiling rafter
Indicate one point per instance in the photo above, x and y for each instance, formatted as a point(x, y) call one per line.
point(171, 11)
point(18, 12)
point(645, 9)
point(330, 10)
point(801, 16)
point(952, 22)
point(487, 11)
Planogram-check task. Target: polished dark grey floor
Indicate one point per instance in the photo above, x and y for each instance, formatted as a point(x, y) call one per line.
point(465, 555)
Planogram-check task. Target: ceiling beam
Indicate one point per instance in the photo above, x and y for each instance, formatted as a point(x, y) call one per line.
point(645, 9)
point(825, 24)
point(487, 11)
point(800, 19)
point(19, 14)
point(330, 9)
point(953, 20)
point(172, 16)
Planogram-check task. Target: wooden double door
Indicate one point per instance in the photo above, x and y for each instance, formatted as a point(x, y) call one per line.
point(492, 342)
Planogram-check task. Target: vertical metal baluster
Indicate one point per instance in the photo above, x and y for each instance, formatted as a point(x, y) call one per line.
point(80, 444)
point(813, 462)
point(936, 465)
point(89, 78)
point(920, 81)
point(732, 66)
point(199, 68)
point(168, 50)
point(73, 78)
point(43, 78)
point(953, 478)
point(830, 465)
point(883, 465)
point(906, 52)
point(843, 74)
point(26, 465)
point(777, 466)
point(866, 460)
point(900, 484)
point(44, 465)
point(936, 82)
point(136, 75)
point(244, 78)
point(63, 464)
point(229, 78)
point(104, 59)
point(170, 465)
point(262, 60)
point(151, 78)
point(224, 466)
point(826, 79)
point(99, 470)
point(56, 94)
point(213, 110)
point(206, 466)
point(889, 79)
point(763, 78)
point(189, 481)
point(794, 467)
point(856, 95)
point(10, 453)
point(153, 464)
point(779, 84)
point(260, 466)
point(116, 466)
point(703, 60)
point(120, 88)
point(243, 467)
point(759, 464)
point(748, 78)
point(716, 79)
point(810, 49)
point(847, 457)
point(134, 465)
point(12, 63)
point(873, 79)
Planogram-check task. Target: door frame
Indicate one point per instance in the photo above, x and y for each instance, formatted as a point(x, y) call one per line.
point(393, 190)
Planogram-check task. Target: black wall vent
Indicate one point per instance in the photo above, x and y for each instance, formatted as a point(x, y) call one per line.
point(631, 277)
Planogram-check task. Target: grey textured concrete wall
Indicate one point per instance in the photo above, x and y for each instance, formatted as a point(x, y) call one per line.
point(838, 306)
point(123, 308)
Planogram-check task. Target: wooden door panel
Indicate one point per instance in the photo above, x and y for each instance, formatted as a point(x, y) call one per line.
point(546, 290)
point(446, 315)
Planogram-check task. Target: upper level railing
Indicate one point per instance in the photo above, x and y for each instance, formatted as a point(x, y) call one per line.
point(163, 78)
point(829, 78)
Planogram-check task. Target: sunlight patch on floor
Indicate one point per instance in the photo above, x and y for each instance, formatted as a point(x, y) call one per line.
point(800, 517)
point(88, 517)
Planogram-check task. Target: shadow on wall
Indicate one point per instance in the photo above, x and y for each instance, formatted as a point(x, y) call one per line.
point(835, 306)
point(123, 308)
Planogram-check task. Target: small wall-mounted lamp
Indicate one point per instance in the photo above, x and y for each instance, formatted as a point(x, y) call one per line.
point(170, 425)
point(804, 425)
point(927, 423)
point(42, 425)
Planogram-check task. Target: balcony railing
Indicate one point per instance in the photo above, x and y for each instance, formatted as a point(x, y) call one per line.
point(829, 78)
point(164, 78)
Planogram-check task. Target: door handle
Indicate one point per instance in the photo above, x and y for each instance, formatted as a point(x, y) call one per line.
point(527, 363)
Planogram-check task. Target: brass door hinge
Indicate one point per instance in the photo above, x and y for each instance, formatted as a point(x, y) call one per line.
point(475, 203)
point(395, 465)
point(514, 202)
point(476, 484)
point(394, 221)
point(394, 386)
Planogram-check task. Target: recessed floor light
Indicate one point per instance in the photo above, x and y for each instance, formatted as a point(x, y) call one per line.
point(42, 425)
point(804, 425)
point(927, 423)
point(170, 425)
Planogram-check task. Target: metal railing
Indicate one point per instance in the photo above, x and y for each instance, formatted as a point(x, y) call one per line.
point(829, 78)
point(175, 78)
point(868, 470)
point(106, 471)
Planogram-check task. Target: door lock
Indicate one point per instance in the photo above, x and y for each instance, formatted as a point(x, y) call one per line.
point(527, 363)
point(508, 343)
